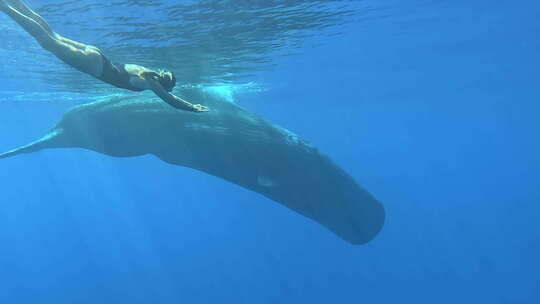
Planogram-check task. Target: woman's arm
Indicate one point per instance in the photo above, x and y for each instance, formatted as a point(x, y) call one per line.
point(174, 101)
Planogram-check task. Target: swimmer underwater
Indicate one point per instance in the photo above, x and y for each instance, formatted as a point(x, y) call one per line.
point(90, 60)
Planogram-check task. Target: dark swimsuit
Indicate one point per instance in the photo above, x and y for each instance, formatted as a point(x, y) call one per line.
point(116, 74)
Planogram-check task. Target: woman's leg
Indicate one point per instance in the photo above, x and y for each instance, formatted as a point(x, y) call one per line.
point(28, 24)
point(85, 58)
point(24, 9)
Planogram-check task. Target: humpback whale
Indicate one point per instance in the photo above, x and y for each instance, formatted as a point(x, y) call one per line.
point(228, 142)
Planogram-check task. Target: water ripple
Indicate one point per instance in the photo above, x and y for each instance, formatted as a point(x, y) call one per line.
point(203, 42)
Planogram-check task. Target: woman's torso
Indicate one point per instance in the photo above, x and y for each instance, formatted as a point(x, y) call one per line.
point(125, 76)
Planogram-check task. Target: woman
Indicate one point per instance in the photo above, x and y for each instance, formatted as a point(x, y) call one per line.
point(91, 60)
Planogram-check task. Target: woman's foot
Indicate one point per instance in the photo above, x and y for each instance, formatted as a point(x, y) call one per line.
point(21, 8)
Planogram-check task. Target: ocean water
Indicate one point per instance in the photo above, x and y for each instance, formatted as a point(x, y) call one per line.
point(432, 106)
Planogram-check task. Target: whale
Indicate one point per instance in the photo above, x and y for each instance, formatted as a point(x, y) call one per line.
point(228, 142)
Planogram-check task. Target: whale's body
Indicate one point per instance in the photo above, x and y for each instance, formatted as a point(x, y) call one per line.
point(228, 142)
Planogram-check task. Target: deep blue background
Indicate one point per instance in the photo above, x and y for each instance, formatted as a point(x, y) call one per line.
point(433, 108)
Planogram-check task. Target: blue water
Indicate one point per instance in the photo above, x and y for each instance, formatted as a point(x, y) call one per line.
point(432, 106)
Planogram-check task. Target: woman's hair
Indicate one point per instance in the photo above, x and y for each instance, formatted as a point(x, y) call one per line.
point(166, 79)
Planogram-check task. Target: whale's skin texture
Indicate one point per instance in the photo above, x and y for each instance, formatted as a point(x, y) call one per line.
point(228, 142)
